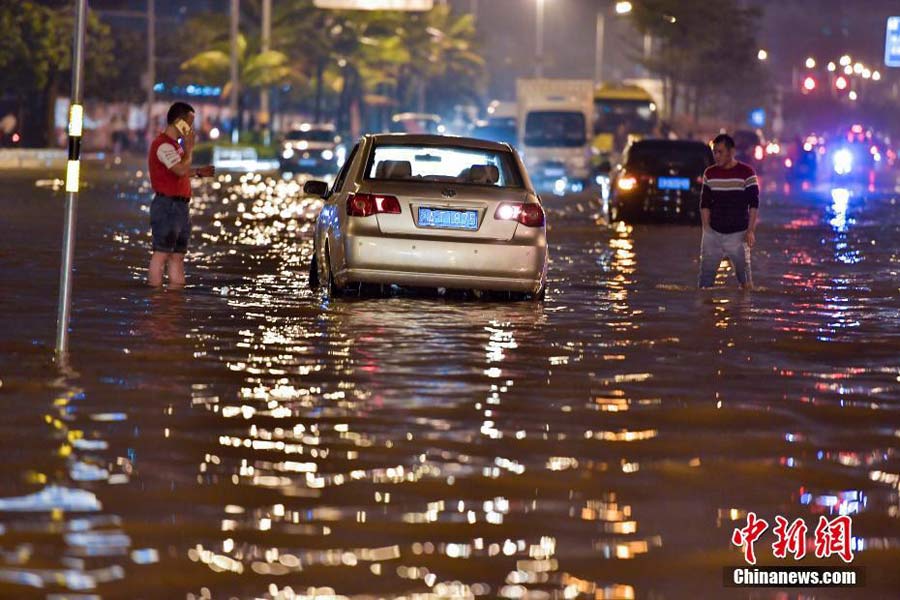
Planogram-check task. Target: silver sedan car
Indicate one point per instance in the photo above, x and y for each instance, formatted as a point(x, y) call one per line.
point(430, 211)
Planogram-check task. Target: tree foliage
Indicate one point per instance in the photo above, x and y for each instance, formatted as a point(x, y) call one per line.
point(335, 60)
point(383, 59)
point(36, 60)
point(707, 55)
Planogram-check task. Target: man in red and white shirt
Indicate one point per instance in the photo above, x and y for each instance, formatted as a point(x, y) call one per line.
point(170, 177)
point(729, 204)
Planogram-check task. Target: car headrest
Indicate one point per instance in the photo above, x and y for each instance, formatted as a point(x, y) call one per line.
point(393, 169)
point(488, 174)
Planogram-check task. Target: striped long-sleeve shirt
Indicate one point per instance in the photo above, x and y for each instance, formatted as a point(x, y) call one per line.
point(729, 194)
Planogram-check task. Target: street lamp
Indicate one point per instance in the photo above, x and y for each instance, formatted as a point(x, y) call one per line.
point(762, 54)
point(810, 63)
point(621, 8)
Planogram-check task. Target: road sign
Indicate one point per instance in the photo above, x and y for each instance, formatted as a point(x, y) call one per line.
point(420, 5)
point(892, 43)
point(757, 117)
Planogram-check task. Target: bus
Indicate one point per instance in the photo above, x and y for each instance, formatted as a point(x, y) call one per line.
point(622, 112)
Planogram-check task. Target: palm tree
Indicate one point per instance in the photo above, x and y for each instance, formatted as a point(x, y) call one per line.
point(380, 59)
point(442, 51)
point(255, 69)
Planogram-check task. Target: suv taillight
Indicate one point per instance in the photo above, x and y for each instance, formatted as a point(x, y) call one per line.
point(529, 215)
point(365, 205)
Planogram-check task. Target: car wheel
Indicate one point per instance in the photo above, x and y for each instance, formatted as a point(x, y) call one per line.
point(326, 277)
point(314, 271)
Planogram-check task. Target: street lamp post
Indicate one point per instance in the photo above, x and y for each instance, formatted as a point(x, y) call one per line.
point(233, 105)
point(151, 69)
point(598, 49)
point(539, 40)
point(621, 8)
point(265, 116)
point(73, 169)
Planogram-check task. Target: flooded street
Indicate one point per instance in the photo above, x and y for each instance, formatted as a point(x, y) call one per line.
point(244, 439)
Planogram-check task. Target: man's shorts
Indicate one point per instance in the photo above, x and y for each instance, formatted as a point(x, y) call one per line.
point(170, 223)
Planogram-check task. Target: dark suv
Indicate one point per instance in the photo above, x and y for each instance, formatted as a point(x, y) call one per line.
point(659, 178)
point(749, 148)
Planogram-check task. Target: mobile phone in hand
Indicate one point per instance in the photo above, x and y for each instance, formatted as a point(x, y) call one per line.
point(182, 126)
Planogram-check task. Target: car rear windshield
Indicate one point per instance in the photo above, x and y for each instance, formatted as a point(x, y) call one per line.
point(316, 135)
point(555, 129)
point(654, 157)
point(443, 163)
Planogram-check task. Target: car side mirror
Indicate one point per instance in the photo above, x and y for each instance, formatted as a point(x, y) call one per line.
point(315, 188)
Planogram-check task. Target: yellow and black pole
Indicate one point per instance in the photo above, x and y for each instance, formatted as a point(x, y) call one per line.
point(73, 172)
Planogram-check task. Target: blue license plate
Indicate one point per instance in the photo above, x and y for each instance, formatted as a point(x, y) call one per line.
point(674, 183)
point(441, 218)
point(307, 162)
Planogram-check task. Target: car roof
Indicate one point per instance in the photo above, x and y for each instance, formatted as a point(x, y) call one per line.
point(312, 127)
point(437, 140)
point(654, 142)
point(414, 115)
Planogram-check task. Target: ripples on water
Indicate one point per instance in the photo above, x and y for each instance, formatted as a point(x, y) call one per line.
point(246, 439)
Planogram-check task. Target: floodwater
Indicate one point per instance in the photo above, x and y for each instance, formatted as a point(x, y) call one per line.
point(244, 439)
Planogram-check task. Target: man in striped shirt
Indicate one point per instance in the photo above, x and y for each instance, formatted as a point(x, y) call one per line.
point(729, 203)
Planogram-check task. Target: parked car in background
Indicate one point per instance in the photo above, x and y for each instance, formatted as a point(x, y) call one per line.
point(430, 211)
point(416, 123)
point(855, 154)
point(499, 124)
point(750, 149)
point(659, 178)
point(310, 148)
point(801, 158)
point(496, 129)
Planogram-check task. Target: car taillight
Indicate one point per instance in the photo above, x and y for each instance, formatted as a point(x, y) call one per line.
point(627, 183)
point(365, 205)
point(758, 153)
point(529, 215)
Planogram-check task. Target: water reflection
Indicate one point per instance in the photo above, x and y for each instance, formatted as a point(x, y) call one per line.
point(840, 223)
point(242, 439)
point(90, 546)
point(375, 395)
